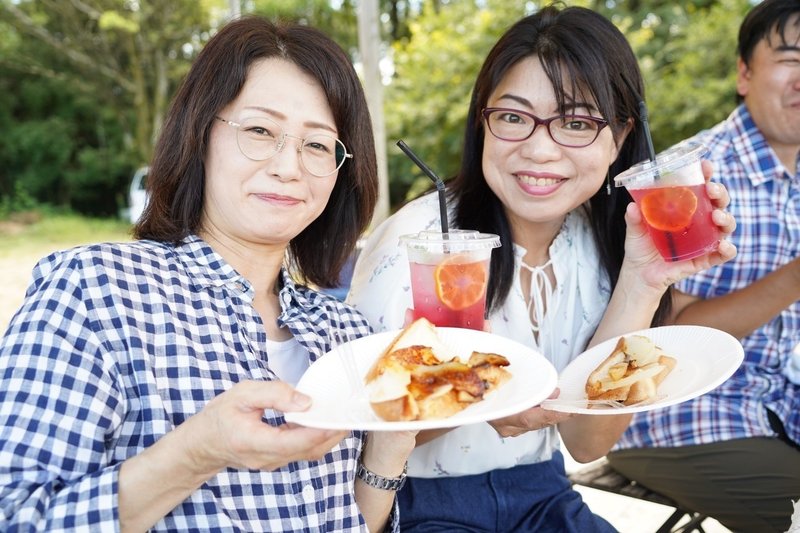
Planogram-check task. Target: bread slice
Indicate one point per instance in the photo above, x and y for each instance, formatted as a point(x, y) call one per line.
point(418, 377)
point(422, 333)
point(631, 373)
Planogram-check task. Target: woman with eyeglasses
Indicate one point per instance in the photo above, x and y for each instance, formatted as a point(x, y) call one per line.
point(552, 119)
point(143, 384)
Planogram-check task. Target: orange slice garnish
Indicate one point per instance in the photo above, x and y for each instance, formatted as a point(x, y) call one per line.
point(669, 209)
point(460, 285)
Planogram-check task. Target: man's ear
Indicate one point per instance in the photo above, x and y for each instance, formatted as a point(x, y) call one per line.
point(742, 77)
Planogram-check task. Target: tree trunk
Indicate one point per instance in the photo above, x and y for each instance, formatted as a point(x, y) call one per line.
point(369, 44)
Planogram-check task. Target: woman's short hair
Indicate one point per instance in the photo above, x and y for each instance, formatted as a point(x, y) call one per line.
point(176, 182)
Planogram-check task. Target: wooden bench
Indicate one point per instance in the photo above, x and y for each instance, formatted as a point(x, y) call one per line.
point(601, 476)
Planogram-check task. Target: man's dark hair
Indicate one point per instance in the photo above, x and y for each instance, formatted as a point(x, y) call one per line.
point(759, 23)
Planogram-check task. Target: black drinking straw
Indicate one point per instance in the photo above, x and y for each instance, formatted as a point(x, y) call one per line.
point(646, 126)
point(652, 153)
point(436, 180)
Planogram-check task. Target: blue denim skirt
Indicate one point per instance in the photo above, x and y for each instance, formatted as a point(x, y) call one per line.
point(529, 498)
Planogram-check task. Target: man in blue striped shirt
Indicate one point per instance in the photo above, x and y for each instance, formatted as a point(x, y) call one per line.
point(733, 453)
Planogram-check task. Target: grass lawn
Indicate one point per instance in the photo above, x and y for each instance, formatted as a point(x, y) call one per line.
point(26, 239)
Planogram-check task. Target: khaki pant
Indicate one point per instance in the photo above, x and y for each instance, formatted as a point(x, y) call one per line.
point(746, 484)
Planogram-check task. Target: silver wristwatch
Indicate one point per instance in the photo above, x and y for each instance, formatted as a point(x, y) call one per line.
point(379, 482)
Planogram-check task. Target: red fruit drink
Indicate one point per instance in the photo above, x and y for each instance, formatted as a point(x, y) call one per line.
point(449, 276)
point(455, 311)
point(679, 220)
point(670, 191)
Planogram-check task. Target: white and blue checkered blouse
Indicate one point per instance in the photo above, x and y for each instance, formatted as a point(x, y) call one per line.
point(114, 346)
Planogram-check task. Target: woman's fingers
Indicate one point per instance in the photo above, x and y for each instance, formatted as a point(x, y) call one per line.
point(708, 169)
point(408, 318)
point(270, 395)
point(528, 420)
point(724, 220)
point(230, 429)
point(720, 199)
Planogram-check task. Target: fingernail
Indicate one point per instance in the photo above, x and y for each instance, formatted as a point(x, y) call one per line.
point(301, 400)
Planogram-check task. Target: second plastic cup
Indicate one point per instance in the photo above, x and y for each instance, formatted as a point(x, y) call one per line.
point(671, 194)
point(449, 275)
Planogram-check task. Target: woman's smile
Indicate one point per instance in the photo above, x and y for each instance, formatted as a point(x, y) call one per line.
point(278, 199)
point(538, 184)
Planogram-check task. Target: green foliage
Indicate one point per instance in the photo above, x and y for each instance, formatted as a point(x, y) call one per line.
point(427, 102)
point(84, 85)
point(18, 202)
point(691, 78)
point(113, 20)
point(339, 18)
point(340, 24)
point(686, 50)
point(60, 151)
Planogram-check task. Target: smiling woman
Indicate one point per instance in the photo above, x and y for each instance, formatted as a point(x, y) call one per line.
point(148, 380)
point(553, 116)
point(263, 193)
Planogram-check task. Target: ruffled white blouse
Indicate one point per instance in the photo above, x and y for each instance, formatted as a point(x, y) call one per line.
point(558, 321)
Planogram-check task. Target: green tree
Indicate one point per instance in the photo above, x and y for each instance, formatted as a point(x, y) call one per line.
point(84, 84)
point(690, 75)
point(339, 19)
point(686, 51)
point(90, 81)
point(435, 68)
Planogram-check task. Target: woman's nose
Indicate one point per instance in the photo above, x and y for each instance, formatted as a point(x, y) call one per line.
point(540, 145)
point(286, 163)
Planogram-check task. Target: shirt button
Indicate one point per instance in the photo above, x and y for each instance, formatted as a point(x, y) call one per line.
point(308, 492)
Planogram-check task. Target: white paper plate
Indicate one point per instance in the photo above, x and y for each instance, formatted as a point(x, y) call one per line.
point(706, 357)
point(334, 406)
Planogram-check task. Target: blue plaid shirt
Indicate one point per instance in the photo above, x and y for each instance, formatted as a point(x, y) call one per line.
point(114, 346)
point(765, 199)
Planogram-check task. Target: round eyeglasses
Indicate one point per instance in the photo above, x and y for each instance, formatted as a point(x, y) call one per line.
point(260, 138)
point(572, 131)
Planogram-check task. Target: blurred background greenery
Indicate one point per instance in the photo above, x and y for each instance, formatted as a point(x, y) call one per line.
point(84, 84)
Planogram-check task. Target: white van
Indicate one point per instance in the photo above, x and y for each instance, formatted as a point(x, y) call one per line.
point(137, 197)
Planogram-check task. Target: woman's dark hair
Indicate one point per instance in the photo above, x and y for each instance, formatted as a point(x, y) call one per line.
point(586, 49)
point(761, 20)
point(176, 181)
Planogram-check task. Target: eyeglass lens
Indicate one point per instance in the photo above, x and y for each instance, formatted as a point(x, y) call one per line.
point(260, 138)
point(569, 130)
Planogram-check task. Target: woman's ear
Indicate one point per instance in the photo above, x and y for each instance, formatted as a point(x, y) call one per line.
point(620, 140)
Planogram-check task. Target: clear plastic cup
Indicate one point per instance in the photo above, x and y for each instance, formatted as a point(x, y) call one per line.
point(671, 194)
point(449, 275)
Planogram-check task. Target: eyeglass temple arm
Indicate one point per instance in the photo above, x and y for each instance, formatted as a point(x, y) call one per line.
point(229, 122)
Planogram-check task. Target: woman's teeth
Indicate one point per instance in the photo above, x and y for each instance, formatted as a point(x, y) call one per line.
point(538, 182)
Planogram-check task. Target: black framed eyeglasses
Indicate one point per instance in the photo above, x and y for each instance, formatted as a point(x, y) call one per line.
point(260, 138)
point(572, 131)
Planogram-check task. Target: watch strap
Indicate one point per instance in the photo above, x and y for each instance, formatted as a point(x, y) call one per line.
point(379, 482)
